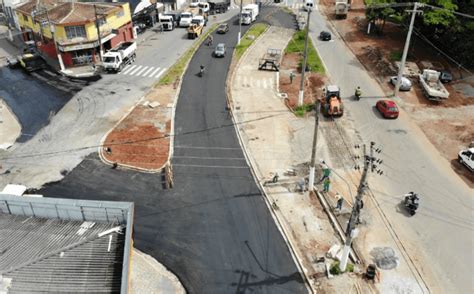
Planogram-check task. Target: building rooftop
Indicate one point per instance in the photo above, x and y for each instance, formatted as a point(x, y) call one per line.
point(63, 254)
point(61, 12)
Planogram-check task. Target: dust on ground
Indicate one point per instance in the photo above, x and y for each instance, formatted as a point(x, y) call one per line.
point(142, 139)
point(313, 81)
point(448, 135)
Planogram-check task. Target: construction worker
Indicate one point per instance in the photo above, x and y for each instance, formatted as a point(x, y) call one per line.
point(358, 93)
point(339, 201)
point(326, 184)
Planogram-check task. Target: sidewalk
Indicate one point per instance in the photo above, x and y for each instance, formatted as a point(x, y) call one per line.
point(276, 141)
point(149, 276)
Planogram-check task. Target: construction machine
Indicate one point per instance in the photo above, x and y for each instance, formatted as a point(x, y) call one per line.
point(194, 30)
point(331, 103)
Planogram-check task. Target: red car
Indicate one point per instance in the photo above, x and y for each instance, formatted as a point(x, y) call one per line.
point(387, 108)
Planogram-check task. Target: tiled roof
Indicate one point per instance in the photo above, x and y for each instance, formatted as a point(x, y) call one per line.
point(69, 12)
point(52, 255)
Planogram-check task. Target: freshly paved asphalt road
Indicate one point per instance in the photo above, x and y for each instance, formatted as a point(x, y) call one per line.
point(33, 101)
point(213, 229)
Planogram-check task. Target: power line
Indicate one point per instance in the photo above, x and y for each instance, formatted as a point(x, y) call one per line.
point(166, 136)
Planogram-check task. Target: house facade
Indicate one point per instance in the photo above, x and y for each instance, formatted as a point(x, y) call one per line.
point(68, 31)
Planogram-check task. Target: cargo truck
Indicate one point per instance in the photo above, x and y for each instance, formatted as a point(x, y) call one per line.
point(432, 86)
point(116, 59)
point(249, 14)
point(342, 8)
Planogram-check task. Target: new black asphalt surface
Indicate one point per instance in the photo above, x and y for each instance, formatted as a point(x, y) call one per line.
point(33, 101)
point(213, 229)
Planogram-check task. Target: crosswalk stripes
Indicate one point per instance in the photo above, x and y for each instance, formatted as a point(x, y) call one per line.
point(143, 71)
point(247, 82)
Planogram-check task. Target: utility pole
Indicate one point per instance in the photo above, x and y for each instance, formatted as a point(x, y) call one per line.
point(303, 69)
point(351, 233)
point(52, 29)
point(405, 49)
point(240, 23)
point(97, 25)
point(315, 143)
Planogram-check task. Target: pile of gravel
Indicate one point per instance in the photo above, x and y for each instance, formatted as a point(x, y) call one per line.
point(385, 258)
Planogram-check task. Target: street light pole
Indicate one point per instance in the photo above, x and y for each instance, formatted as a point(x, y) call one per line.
point(301, 93)
point(240, 23)
point(315, 143)
point(97, 25)
point(405, 50)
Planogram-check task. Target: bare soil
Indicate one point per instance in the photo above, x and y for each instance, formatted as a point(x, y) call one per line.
point(447, 134)
point(313, 81)
point(142, 140)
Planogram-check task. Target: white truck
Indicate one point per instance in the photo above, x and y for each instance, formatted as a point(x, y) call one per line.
point(342, 8)
point(166, 22)
point(249, 13)
point(185, 19)
point(466, 157)
point(115, 59)
point(432, 86)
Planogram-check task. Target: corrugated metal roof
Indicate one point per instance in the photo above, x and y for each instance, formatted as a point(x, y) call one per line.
point(49, 255)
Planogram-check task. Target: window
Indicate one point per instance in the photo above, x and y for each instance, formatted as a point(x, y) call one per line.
point(25, 17)
point(76, 32)
point(120, 13)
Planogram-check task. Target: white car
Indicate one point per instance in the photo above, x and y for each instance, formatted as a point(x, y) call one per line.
point(404, 86)
point(466, 157)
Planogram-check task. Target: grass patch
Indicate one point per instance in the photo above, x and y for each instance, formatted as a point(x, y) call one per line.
point(334, 269)
point(301, 110)
point(255, 31)
point(177, 69)
point(296, 45)
point(395, 56)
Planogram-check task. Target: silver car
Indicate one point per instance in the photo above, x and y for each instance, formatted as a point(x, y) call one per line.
point(405, 84)
point(220, 50)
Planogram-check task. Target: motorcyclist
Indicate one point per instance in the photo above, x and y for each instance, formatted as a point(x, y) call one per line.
point(201, 70)
point(358, 93)
point(209, 40)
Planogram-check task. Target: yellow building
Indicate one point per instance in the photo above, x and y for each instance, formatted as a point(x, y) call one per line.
point(68, 30)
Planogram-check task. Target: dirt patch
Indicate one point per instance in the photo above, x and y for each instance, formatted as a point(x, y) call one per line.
point(141, 140)
point(376, 53)
point(313, 81)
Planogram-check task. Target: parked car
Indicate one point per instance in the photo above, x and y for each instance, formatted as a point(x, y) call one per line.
point(325, 36)
point(404, 86)
point(445, 76)
point(466, 157)
point(387, 108)
point(222, 28)
point(219, 51)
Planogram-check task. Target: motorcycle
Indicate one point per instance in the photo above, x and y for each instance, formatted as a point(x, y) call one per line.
point(201, 71)
point(411, 202)
point(357, 95)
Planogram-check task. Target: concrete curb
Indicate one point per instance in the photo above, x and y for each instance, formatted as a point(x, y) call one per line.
point(102, 141)
point(252, 166)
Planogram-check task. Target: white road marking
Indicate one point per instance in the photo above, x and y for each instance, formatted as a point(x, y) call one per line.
point(128, 69)
point(148, 71)
point(141, 70)
point(160, 73)
point(154, 72)
point(135, 70)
